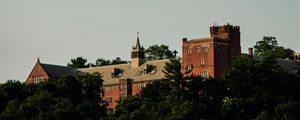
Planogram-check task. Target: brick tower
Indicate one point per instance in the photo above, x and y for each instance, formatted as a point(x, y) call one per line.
point(211, 56)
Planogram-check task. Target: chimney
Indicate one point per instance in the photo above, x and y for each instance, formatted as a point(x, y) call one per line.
point(250, 52)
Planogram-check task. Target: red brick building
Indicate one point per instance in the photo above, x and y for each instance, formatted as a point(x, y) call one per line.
point(207, 57)
point(211, 56)
point(123, 80)
point(42, 72)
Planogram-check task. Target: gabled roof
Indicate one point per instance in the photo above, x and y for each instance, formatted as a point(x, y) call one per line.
point(135, 74)
point(56, 70)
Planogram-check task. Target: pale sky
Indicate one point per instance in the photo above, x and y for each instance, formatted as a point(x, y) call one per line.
point(59, 30)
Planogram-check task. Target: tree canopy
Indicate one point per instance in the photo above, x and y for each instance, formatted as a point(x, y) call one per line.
point(78, 62)
point(65, 98)
point(248, 90)
point(103, 62)
point(81, 62)
point(268, 47)
point(158, 52)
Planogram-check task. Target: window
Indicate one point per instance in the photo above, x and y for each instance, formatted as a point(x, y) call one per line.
point(198, 50)
point(141, 84)
point(189, 51)
point(37, 79)
point(123, 86)
point(108, 88)
point(204, 74)
point(123, 96)
point(206, 49)
point(153, 71)
point(189, 67)
point(108, 100)
point(202, 61)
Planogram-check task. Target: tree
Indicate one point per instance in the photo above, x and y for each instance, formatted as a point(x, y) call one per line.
point(118, 61)
point(67, 97)
point(257, 88)
point(79, 62)
point(156, 52)
point(268, 47)
point(172, 70)
point(102, 62)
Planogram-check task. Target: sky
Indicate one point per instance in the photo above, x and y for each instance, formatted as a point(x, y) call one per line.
point(59, 30)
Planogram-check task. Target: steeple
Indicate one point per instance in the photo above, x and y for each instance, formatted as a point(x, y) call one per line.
point(137, 54)
point(38, 60)
point(137, 44)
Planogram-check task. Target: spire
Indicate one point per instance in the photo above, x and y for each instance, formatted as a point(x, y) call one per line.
point(137, 53)
point(38, 60)
point(138, 45)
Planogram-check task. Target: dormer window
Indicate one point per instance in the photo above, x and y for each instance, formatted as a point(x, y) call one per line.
point(149, 69)
point(153, 71)
point(116, 73)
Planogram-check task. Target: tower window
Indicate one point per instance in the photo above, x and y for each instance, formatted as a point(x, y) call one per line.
point(202, 62)
point(189, 51)
point(204, 74)
point(189, 67)
point(198, 50)
point(205, 49)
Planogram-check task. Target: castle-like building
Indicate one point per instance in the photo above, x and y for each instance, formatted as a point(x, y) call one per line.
point(208, 57)
point(211, 56)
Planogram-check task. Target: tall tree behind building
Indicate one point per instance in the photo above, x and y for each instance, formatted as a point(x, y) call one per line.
point(268, 47)
point(158, 52)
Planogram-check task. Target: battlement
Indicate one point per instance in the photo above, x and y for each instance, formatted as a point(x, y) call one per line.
point(223, 31)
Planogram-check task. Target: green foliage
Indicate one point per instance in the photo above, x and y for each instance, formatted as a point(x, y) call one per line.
point(103, 62)
point(268, 47)
point(68, 97)
point(172, 70)
point(156, 52)
point(118, 61)
point(78, 62)
point(249, 90)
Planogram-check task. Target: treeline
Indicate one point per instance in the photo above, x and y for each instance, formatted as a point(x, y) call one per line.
point(249, 90)
point(153, 52)
point(256, 90)
point(65, 98)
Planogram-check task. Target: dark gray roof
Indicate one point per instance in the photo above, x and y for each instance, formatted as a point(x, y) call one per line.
point(290, 65)
point(56, 70)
